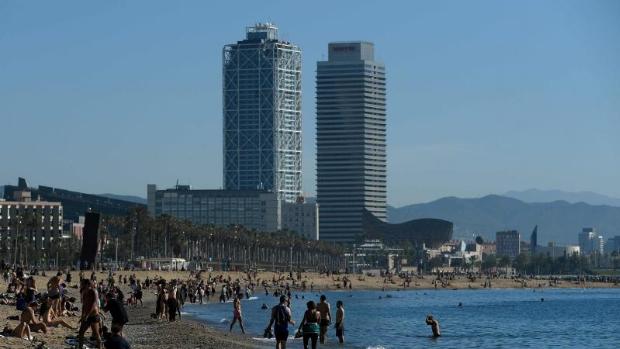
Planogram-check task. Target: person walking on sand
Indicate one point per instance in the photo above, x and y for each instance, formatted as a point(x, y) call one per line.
point(310, 325)
point(326, 317)
point(237, 315)
point(90, 313)
point(434, 325)
point(340, 322)
point(281, 316)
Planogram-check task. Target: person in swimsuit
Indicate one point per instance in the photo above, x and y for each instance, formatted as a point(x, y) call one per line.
point(173, 306)
point(281, 316)
point(21, 331)
point(49, 317)
point(310, 325)
point(434, 324)
point(53, 291)
point(237, 315)
point(340, 321)
point(90, 313)
point(326, 317)
point(27, 316)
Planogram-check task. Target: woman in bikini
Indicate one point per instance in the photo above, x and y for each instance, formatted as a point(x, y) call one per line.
point(48, 317)
point(237, 315)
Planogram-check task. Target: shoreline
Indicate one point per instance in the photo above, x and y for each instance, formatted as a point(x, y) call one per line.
point(144, 332)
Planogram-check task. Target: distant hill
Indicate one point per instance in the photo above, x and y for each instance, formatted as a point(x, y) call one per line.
point(1, 191)
point(130, 198)
point(537, 195)
point(557, 221)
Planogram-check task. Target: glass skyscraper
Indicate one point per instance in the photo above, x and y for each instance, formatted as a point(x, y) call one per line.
point(351, 131)
point(262, 113)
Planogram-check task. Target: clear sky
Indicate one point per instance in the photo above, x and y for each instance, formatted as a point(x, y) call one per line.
point(483, 96)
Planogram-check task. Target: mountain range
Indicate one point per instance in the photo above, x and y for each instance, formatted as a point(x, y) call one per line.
point(537, 195)
point(558, 221)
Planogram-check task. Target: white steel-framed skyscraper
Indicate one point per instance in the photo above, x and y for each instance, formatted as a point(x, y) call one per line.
point(351, 137)
point(262, 113)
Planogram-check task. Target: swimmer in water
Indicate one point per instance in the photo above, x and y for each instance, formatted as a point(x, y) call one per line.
point(434, 325)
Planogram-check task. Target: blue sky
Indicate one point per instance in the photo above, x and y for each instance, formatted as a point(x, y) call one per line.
point(483, 96)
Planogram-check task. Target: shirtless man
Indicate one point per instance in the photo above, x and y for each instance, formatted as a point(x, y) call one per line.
point(340, 322)
point(434, 325)
point(53, 291)
point(31, 320)
point(326, 317)
point(90, 313)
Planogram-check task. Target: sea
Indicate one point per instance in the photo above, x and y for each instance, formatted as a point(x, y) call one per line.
point(490, 318)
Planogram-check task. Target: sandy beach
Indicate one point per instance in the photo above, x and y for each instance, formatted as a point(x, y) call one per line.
point(144, 332)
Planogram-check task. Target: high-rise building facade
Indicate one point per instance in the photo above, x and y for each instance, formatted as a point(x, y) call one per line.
point(351, 132)
point(508, 243)
point(590, 242)
point(262, 114)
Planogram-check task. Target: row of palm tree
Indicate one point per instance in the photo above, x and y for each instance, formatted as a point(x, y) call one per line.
point(137, 234)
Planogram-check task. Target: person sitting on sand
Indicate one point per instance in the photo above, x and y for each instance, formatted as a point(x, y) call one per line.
point(31, 320)
point(49, 317)
point(90, 313)
point(434, 325)
point(116, 341)
point(237, 315)
point(21, 331)
point(281, 316)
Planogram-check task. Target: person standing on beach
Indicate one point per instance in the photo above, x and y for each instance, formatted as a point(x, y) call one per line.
point(310, 325)
point(90, 313)
point(173, 305)
point(281, 315)
point(340, 321)
point(117, 310)
point(237, 315)
point(326, 317)
point(53, 291)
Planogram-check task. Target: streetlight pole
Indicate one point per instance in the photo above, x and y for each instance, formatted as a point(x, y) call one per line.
point(116, 251)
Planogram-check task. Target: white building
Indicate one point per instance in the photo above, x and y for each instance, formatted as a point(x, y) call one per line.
point(254, 209)
point(37, 221)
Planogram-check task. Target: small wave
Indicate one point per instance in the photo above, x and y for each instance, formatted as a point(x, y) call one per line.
point(253, 298)
point(261, 339)
point(223, 321)
point(376, 347)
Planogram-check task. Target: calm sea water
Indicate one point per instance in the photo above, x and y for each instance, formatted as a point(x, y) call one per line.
point(568, 318)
